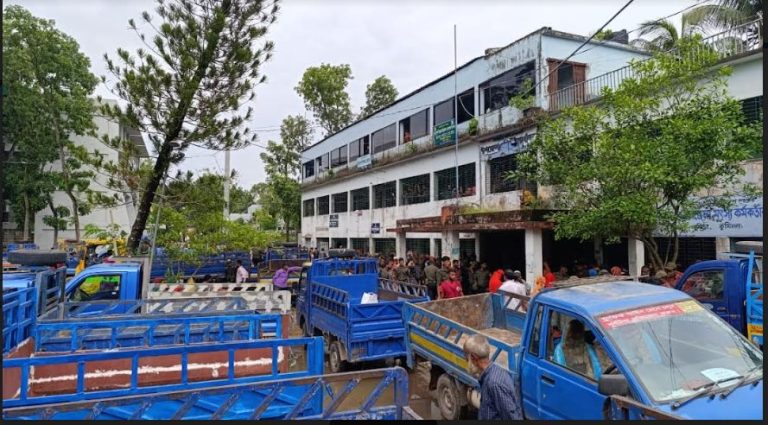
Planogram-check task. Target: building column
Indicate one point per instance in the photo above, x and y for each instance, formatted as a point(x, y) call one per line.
point(450, 245)
point(400, 244)
point(599, 252)
point(477, 246)
point(534, 255)
point(635, 256)
point(722, 245)
point(370, 245)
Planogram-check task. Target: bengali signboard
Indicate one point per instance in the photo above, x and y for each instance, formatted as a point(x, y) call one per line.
point(333, 220)
point(364, 161)
point(375, 228)
point(507, 146)
point(444, 133)
point(743, 219)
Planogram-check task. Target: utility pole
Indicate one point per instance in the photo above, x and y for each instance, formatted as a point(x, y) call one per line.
point(227, 176)
point(456, 112)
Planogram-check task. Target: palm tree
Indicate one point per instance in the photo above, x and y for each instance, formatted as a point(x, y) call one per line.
point(726, 14)
point(664, 35)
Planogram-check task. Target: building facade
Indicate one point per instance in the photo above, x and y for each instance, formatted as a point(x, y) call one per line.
point(124, 213)
point(396, 181)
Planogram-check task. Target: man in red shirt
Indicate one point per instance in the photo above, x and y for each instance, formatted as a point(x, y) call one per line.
point(548, 275)
point(497, 279)
point(449, 288)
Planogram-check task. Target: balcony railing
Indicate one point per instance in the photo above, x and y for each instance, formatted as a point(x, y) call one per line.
point(735, 41)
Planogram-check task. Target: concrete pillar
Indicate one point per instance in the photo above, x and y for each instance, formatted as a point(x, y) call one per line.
point(433, 247)
point(400, 245)
point(722, 245)
point(450, 245)
point(635, 256)
point(534, 255)
point(477, 245)
point(599, 252)
point(370, 246)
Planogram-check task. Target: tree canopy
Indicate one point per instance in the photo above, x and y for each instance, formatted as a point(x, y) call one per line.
point(324, 91)
point(637, 163)
point(380, 93)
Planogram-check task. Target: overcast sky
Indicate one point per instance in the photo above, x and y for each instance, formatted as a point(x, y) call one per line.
point(411, 42)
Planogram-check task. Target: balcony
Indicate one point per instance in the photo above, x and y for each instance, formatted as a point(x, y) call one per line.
point(735, 41)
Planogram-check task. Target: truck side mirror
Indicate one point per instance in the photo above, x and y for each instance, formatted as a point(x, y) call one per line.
point(613, 385)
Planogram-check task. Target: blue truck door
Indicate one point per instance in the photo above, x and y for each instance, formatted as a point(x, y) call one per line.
point(568, 371)
point(708, 286)
point(530, 375)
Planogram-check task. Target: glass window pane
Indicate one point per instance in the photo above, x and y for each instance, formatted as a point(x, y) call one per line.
point(361, 199)
point(385, 139)
point(340, 202)
point(309, 208)
point(414, 190)
point(443, 112)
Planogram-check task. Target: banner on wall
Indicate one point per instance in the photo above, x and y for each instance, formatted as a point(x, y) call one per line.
point(507, 146)
point(743, 219)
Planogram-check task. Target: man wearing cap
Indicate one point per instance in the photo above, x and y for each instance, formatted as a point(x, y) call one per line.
point(515, 285)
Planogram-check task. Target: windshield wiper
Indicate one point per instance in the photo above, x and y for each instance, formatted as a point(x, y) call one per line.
point(703, 389)
point(742, 381)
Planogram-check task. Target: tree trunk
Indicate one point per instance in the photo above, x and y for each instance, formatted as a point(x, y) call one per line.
point(25, 235)
point(56, 220)
point(68, 188)
point(75, 214)
point(164, 156)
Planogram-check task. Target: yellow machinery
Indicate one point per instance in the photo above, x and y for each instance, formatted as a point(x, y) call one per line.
point(87, 247)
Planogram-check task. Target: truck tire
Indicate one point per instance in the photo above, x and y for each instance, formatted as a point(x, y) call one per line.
point(337, 365)
point(448, 398)
point(28, 257)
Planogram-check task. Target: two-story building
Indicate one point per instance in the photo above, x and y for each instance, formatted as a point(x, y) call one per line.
point(396, 180)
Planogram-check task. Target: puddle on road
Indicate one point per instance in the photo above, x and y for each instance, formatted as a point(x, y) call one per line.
point(419, 398)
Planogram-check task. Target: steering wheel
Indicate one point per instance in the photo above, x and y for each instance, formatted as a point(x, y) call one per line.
point(609, 369)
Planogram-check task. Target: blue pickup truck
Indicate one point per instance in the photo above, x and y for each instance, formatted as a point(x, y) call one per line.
point(609, 350)
point(732, 288)
point(330, 303)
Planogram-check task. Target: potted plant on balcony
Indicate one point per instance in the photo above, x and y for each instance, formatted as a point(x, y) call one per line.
point(525, 99)
point(472, 129)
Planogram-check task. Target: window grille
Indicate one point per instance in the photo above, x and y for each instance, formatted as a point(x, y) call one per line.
point(384, 246)
point(340, 204)
point(360, 245)
point(753, 109)
point(384, 195)
point(309, 208)
point(467, 247)
point(338, 243)
point(417, 246)
point(322, 205)
point(499, 169)
point(445, 180)
point(361, 199)
point(414, 190)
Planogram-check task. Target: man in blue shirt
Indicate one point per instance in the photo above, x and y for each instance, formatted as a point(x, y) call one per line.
point(498, 395)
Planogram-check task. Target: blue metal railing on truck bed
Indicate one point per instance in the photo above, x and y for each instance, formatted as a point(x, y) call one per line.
point(153, 330)
point(19, 312)
point(129, 308)
point(140, 356)
point(754, 295)
point(266, 400)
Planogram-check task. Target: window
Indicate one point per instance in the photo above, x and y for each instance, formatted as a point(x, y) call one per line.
point(499, 169)
point(361, 199)
point(498, 91)
point(705, 285)
point(322, 205)
point(753, 109)
point(414, 190)
point(466, 107)
point(384, 246)
point(339, 242)
point(415, 126)
point(573, 346)
point(340, 202)
point(309, 169)
point(339, 156)
point(384, 195)
point(360, 245)
point(439, 247)
point(95, 288)
point(417, 246)
point(564, 76)
point(565, 85)
point(384, 139)
point(322, 163)
point(443, 112)
point(533, 348)
point(309, 208)
point(445, 182)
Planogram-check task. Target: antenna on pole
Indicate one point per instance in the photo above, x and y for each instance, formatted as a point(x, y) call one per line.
point(456, 112)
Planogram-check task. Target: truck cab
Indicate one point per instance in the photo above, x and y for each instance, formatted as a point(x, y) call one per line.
point(730, 287)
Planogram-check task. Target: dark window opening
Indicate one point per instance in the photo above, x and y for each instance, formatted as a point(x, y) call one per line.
point(385, 195)
point(361, 199)
point(360, 245)
point(443, 112)
point(358, 148)
point(417, 246)
point(339, 243)
point(566, 84)
point(498, 91)
point(322, 163)
point(323, 205)
point(466, 107)
point(753, 109)
point(309, 169)
point(414, 190)
point(340, 202)
point(384, 139)
point(415, 126)
point(384, 246)
point(309, 208)
point(564, 76)
point(498, 175)
point(446, 182)
point(339, 156)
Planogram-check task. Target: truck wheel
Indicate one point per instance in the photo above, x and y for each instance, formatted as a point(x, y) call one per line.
point(448, 398)
point(36, 258)
point(334, 358)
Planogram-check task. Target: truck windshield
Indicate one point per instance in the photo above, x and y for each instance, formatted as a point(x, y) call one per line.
point(676, 349)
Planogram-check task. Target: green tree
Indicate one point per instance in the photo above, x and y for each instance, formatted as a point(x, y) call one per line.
point(189, 84)
point(664, 35)
point(635, 163)
point(323, 89)
point(58, 218)
point(378, 94)
point(726, 14)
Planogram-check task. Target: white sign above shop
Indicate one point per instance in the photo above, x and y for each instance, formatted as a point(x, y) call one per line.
point(743, 219)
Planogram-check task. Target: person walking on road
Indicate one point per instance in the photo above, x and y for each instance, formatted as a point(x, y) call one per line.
point(430, 278)
point(280, 279)
point(499, 399)
point(230, 271)
point(242, 273)
point(449, 288)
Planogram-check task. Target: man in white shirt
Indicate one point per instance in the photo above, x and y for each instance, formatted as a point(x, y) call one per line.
point(242, 273)
point(514, 286)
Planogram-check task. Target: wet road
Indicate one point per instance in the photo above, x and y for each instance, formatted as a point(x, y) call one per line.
point(420, 400)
